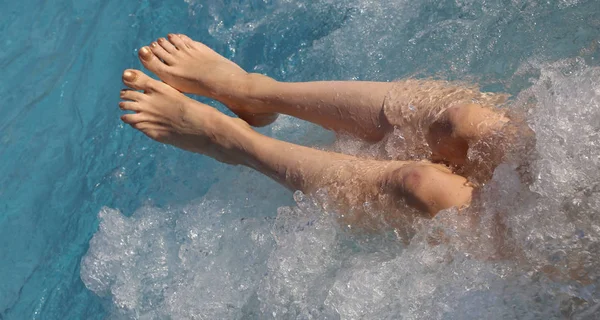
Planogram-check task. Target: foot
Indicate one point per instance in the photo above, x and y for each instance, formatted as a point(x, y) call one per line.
point(166, 115)
point(192, 67)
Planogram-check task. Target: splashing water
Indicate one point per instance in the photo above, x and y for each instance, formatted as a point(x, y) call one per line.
point(216, 259)
point(523, 250)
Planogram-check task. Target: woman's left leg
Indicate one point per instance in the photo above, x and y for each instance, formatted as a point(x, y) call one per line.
point(368, 110)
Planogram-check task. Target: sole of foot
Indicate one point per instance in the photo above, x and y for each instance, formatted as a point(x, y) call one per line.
point(192, 67)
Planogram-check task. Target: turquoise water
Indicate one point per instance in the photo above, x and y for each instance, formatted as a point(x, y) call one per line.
point(167, 234)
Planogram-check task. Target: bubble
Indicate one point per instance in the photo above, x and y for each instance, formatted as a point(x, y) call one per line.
point(528, 247)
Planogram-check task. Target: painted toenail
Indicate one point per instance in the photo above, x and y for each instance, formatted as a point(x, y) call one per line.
point(145, 53)
point(129, 76)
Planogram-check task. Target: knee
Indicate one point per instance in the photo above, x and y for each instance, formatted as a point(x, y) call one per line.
point(445, 144)
point(416, 178)
point(471, 121)
point(412, 184)
point(449, 136)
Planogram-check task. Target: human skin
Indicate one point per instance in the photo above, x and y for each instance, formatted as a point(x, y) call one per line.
point(166, 115)
point(354, 107)
point(397, 189)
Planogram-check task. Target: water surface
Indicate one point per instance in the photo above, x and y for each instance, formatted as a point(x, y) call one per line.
point(180, 236)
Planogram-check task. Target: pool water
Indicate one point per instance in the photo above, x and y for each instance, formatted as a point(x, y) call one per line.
point(97, 221)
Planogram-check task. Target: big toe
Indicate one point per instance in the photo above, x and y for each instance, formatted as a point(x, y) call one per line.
point(150, 60)
point(138, 80)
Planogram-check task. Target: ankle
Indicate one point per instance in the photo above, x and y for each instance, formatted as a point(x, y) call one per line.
point(253, 93)
point(234, 139)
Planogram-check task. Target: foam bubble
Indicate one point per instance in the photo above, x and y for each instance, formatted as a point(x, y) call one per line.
point(526, 249)
point(522, 249)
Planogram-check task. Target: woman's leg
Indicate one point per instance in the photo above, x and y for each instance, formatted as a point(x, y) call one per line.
point(366, 109)
point(166, 115)
point(192, 67)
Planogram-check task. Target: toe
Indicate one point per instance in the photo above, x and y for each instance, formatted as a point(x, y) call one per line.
point(167, 45)
point(131, 95)
point(130, 106)
point(195, 44)
point(138, 80)
point(177, 41)
point(161, 53)
point(149, 58)
point(152, 131)
point(186, 40)
point(135, 118)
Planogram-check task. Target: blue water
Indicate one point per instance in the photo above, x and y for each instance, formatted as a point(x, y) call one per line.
point(66, 160)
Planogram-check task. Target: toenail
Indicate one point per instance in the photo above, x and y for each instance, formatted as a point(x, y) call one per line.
point(129, 76)
point(145, 53)
point(154, 44)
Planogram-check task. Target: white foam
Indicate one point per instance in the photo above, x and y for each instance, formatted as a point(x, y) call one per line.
point(231, 256)
point(234, 255)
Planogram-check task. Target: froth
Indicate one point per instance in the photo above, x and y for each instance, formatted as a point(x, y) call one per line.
point(523, 248)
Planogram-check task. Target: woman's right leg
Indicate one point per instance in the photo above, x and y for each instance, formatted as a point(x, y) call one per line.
point(366, 109)
point(355, 107)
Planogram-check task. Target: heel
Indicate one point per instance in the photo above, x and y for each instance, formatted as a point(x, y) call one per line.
point(258, 119)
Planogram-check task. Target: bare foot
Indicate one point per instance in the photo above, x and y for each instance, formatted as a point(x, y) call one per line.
point(168, 116)
point(192, 67)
